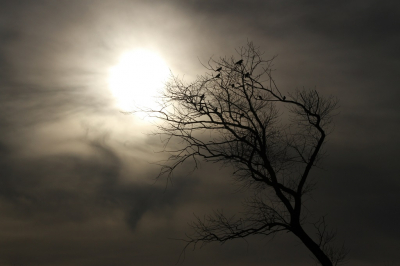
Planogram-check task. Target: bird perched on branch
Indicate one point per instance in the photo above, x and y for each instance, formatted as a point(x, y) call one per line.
point(233, 85)
point(239, 62)
point(284, 98)
point(247, 75)
point(219, 69)
point(259, 97)
point(217, 76)
point(189, 99)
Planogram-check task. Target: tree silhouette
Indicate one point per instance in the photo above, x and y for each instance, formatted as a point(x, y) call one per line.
point(270, 140)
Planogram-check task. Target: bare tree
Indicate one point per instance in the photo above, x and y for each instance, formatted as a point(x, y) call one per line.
point(236, 115)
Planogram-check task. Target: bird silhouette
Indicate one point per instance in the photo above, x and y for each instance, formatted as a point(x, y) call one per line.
point(219, 69)
point(239, 62)
point(201, 103)
point(247, 75)
point(259, 97)
point(217, 76)
point(284, 97)
point(216, 109)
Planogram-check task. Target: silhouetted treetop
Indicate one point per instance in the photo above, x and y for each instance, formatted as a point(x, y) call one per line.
point(270, 138)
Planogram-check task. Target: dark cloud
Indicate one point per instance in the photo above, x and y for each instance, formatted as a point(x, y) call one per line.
point(69, 187)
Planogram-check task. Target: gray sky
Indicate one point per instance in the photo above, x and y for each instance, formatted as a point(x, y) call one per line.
point(77, 184)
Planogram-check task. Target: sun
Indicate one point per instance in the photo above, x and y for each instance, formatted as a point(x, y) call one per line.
point(137, 78)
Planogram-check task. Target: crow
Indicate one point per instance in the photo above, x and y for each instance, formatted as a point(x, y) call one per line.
point(219, 69)
point(217, 76)
point(247, 75)
point(201, 99)
point(189, 99)
point(239, 62)
point(284, 97)
point(233, 85)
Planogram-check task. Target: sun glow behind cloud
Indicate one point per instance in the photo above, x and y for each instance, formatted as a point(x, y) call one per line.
point(137, 79)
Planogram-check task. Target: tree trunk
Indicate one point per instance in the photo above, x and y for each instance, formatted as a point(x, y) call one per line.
point(312, 246)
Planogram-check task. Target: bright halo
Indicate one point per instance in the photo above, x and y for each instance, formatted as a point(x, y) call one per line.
point(137, 78)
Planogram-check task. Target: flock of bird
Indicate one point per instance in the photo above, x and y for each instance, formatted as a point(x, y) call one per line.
point(203, 105)
point(215, 109)
point(247, 75)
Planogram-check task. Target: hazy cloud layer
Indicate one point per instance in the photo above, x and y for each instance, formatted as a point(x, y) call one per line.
point(76, 183)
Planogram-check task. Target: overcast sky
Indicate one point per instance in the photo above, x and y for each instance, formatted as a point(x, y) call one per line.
point(76, 180)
